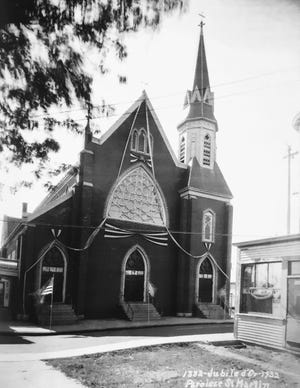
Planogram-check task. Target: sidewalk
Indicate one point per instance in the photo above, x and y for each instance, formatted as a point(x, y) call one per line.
point(89, 325)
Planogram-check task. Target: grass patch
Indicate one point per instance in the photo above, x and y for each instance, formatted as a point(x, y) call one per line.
point(172, 365)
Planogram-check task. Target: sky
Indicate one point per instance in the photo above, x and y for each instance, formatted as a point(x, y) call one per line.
point(253, 57)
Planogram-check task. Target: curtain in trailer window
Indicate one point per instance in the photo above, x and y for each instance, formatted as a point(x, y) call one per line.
point(260, 288)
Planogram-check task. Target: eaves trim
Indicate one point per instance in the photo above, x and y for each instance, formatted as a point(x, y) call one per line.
point(192, 191)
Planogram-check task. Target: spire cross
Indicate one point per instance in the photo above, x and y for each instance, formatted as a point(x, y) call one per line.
point(202, 22)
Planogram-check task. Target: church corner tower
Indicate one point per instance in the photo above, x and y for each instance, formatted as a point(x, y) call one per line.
point(197, 133)
point(205, 211)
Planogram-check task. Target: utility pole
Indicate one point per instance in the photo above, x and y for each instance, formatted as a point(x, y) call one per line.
point(290, 155)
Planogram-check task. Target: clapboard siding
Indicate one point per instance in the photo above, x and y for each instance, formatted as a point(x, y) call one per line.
point(267, 332)
point(270, 251)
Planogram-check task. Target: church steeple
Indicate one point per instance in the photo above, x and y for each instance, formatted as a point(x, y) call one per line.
point(200, 100)
point(197, 133)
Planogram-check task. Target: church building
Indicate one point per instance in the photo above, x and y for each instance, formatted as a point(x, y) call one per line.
point(136, 232)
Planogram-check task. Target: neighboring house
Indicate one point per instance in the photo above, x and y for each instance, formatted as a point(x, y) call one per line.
point(268, 292)
point(135, 224)
point(9, 267)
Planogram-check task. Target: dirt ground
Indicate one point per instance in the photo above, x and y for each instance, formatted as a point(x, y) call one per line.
point(193, 365)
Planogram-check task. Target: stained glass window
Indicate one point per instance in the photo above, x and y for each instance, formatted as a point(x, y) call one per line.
point(137, 199)
point(208, 226)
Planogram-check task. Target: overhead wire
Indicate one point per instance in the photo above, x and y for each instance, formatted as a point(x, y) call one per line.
point(42, 115)
point(134, 230)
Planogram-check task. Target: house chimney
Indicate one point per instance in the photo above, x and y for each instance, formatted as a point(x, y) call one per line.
point(24, 210)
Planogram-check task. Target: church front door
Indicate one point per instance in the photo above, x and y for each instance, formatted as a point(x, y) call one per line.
point(205, 282)
point(54, 265)
point(134, 278)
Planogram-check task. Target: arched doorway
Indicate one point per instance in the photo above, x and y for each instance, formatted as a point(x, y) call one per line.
point(205, 282)
point(54, 264)
point(134, 277)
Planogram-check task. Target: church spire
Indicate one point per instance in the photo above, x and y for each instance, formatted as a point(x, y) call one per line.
point(197, 133)
point(201, 79)
point(200, 100)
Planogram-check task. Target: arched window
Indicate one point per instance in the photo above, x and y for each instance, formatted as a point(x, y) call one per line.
point(207, 150)
point(139, 141)
point(208, 226)
point(182, 150)
point(142, 141)
point(134, 140)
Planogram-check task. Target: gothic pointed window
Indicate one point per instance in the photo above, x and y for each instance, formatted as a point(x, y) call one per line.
point(182, 150)
point(137, 198)
point(207, 151)
point(134, 140)
point(139, 141)
point(208, 226)
point(142, 141)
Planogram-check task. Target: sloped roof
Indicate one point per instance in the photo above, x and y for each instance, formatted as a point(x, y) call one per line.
point(143, 99)
point(206, 180)
point(200, 110)
point(9, 224)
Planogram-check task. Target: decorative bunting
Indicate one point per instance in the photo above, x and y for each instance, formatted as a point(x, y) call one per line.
point(207, 246)
point(134, 158)
point(137, 157)
point(159, 238)
point(55, 233)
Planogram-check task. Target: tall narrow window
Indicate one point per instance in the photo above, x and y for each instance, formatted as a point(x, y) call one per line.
point(142, 141)
point(134, 140)
point(182, 150)
point(207, 150)
point(208, 226)
point(151, 141)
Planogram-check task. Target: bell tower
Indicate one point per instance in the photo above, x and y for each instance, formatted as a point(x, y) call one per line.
point(197, 133)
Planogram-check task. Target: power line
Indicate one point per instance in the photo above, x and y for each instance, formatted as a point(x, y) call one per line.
point(161, 96)
point(174, 105)
point(169, 106)
point(34, 224)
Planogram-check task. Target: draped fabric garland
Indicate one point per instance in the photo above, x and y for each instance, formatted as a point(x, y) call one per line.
point(158, 238)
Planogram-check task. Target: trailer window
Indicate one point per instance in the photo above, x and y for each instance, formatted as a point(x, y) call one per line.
point(261, 288)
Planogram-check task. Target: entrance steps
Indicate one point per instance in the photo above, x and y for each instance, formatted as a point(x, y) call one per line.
point(209, 310)
point(140, 311)
point(62, 314)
